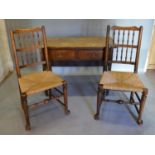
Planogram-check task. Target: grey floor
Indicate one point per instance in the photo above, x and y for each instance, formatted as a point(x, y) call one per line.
point(114, 119)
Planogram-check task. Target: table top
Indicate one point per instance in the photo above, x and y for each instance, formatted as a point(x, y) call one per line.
point(76, 42)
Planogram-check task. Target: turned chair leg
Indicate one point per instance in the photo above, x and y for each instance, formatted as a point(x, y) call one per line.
point(65, 98)
point(142, 104)
point(25, 109)
point(99, 102)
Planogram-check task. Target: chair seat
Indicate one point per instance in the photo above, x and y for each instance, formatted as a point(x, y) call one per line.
point(39, 81)
point(121, 81)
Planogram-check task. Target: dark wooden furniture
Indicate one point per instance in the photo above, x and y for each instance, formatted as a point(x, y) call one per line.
point(126, 49)
point(76, 51)
point(30, 49)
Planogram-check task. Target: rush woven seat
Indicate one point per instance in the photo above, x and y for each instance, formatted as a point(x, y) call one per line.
point(122, 47)
point(39, 81)
point(125, 81)
point(30, 50)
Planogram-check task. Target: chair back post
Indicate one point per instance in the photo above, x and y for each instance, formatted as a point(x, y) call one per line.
point(138, 49)
point(107, 49)
point(14, 53)
point(45, 48)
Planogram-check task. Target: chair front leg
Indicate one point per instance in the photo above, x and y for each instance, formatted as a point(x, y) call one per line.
point(99, 102)
point(142, 104)
point(65, 98)
point(25, 109)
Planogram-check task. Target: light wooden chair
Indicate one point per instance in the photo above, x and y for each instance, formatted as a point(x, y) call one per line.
point(123, 43)
point(30, 49)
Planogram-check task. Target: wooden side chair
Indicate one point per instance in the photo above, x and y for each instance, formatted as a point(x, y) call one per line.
point(123, 43)
point(30, 49)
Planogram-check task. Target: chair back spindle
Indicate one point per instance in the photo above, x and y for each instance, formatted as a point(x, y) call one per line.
point(125, 45)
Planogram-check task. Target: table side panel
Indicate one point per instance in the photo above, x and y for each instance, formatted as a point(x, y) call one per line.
point(78, 50)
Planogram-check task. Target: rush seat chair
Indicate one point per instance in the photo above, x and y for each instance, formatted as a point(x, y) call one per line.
point(29, 50)
point(123, 43)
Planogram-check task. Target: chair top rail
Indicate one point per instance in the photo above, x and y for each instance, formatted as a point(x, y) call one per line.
point(134, 28)
point(36, 29)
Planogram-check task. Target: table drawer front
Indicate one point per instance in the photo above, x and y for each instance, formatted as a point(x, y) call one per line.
point(90, 54)
point(62, 54)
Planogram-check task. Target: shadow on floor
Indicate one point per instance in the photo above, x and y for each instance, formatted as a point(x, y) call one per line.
point(82, 85)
